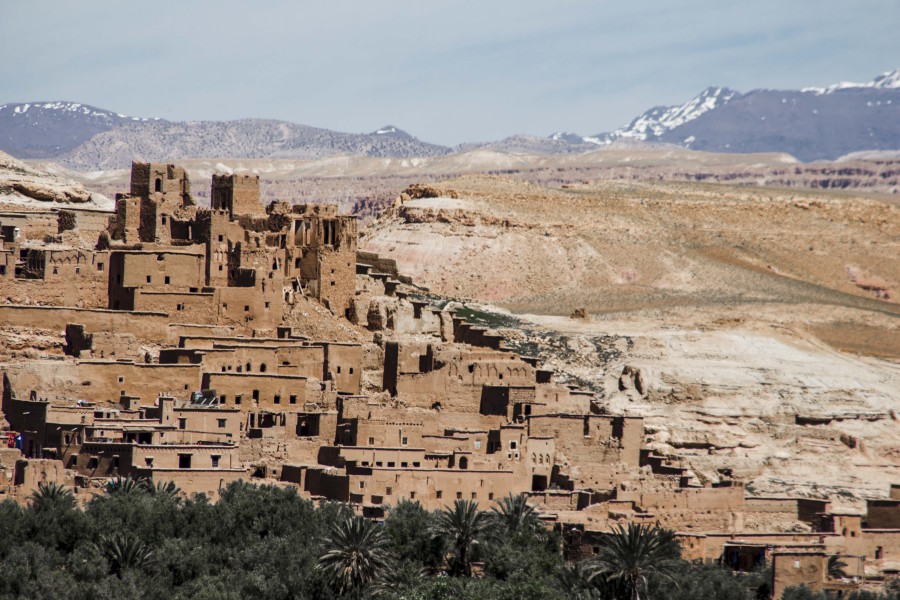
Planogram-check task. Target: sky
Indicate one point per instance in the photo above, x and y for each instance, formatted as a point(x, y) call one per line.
point(446, 72)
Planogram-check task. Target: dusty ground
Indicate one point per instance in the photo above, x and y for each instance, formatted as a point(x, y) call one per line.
point(755, 329)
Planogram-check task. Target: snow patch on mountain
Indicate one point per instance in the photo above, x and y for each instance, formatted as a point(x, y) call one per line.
point(889, 80)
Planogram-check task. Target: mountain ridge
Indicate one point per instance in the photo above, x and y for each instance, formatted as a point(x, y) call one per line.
point(811, 124)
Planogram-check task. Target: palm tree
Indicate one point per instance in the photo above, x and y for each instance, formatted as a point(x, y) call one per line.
point(517, 516)
point(462, 527)
point(124, 551)
point(630, 555)
point(161, 488)
point(50, 496)
point(836, 567)
point(577, 579)
point(356, 555)
point(124, 486)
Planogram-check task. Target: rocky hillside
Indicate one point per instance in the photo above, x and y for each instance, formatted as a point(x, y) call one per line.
point(25, 185)
point(755, 329)
point(50, 129)
point(90, 139)
point(810, 124)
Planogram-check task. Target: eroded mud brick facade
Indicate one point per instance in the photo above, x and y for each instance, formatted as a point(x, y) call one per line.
point(177, 354)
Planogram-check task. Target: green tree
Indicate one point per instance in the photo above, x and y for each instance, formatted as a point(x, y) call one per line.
point(124, 486)
point(630, 555)
point(836, 567)
point(409, 526)
point(124, 551)
point(578, 581)
point(515, 515)
point(52, 496)
point(356, 555)
point(166, 489)
point(462, 527)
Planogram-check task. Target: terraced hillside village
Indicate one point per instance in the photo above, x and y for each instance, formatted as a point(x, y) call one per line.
point(604, 334)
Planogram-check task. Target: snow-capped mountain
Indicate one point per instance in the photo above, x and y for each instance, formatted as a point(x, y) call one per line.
point(660, 119)
point(811, 124)
point(47, 129)
point(394, 132)
point(89, 138)
point(885, 81)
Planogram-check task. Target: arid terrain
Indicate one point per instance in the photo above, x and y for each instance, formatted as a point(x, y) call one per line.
point(754, 328)
point(367, 185)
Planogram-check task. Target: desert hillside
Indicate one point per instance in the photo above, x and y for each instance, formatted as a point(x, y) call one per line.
point(755, 329)
point(615, 246)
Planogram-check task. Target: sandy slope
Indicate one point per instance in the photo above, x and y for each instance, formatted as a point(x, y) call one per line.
point(722, 298)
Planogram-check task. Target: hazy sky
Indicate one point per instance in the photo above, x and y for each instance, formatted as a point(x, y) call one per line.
point(447, 72)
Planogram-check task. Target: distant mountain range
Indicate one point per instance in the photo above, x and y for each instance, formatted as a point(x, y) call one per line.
point(811, 124)
point(84, 137)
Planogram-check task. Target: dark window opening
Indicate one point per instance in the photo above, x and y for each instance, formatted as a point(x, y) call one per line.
point(158, 185)
point(184, 461)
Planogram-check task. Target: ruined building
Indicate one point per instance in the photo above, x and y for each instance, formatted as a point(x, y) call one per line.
point(186, 348)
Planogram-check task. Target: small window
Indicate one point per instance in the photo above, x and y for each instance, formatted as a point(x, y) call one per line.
point(164, 219)
point(224, 306)
point(223, 398)
point(220, 267)
point(459, 495)
point(416, 464)
point(237, 399)
point(339, 369)
point(391, 464)
point(215, 461)
point(168, 280)
point(277, 399)
point(93, 463)
point(438, 494)
point(148, 461)
point(222, 423)
point(412, 495)
point(267, 305)
point(149, 279)
point(404, 465)
point(99, 266)
point(184, 461)
point(77, 270)
point(256, 395)
point(512, 445)
point(388, 491)
point(378, 463)
point(404, 441)
point(182, 423)
point(362, 485)
point(158, 185)
point(371, 441)
point(474, 496)
point(246, 308)
point(490, 495)
point(221, 238)
point(351, 370)
point(121, 379)
point(56, 270)
point(293, 399)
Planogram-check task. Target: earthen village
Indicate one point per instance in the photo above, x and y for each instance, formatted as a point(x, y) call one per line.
point(247, 342)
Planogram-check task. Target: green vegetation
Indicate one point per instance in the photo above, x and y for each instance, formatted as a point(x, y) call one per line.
point(804, 593)
point(141, 541)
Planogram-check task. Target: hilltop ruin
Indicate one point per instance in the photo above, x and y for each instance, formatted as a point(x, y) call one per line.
point(180, 351)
